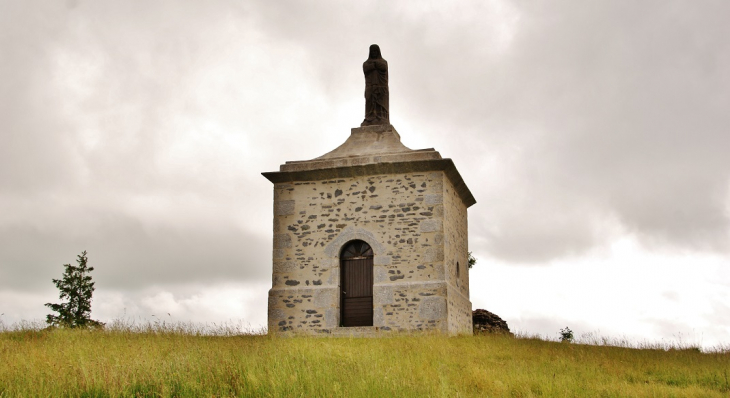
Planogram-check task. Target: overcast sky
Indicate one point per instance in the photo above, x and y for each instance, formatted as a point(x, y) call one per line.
point(595, 137)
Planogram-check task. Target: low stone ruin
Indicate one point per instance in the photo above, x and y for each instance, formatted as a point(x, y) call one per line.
point(487, 322)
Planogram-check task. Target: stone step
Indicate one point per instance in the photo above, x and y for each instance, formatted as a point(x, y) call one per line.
point(359, 331)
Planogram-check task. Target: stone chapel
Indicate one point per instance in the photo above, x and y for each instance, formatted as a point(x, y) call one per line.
point(371, 237)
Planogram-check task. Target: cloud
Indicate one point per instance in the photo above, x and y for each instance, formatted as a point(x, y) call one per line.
point(233, 304)
point(583, 121)
point(223, 302)
point(128, 252)
point(598, 125)
point(125, 138)
point(622, 291)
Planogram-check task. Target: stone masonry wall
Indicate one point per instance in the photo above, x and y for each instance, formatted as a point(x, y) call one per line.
point(456, 252)
point(402, 217)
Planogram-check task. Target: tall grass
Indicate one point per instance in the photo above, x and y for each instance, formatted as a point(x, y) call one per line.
point(174, 359)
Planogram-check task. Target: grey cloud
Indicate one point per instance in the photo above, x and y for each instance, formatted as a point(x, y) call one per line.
point(36, 152)
point(615, 112)
point(627, 121)
point(129, 254)
point(91, 111)
point(602, 117)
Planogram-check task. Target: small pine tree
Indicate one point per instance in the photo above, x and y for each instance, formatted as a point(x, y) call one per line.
point(75, 286)
point(472, 260)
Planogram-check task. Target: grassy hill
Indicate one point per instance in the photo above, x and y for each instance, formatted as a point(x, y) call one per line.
point(178, 362)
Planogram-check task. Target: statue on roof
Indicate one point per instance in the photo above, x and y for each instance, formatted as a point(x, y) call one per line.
point(376, 89)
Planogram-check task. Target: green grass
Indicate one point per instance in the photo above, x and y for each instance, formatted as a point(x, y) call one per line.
point(179, 361)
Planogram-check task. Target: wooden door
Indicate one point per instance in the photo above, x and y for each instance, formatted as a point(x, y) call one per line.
point(356, 287)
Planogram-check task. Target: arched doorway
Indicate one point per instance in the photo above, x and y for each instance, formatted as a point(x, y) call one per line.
point(356, 285)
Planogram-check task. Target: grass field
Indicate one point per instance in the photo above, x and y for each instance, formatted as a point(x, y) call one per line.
point(177, 361)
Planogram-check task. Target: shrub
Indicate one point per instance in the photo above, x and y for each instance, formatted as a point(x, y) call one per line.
point(566, 335)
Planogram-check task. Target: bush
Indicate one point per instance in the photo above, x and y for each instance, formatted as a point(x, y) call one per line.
point(566, 335)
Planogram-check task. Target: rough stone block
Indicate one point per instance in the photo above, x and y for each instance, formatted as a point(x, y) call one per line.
point(273, 301)
point(438, 211)
point(383, 294)
point(284, 208)
point(276, 314)
point(433, 308)
point(326, 297)
point(438, 239)
point(432, 225)
point(282, 241)
point(285, 266)
point(433, 254)
point(328, 263)
point(382, 260)
point(334, 277)
point(433, 199)
point(332, 317)
point(378, 318)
